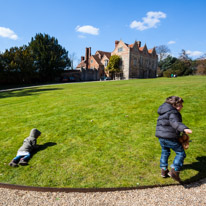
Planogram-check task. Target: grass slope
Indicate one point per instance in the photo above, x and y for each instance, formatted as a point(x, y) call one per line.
point(99, 134)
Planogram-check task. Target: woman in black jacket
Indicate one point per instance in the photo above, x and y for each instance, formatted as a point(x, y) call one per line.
point(169, 126)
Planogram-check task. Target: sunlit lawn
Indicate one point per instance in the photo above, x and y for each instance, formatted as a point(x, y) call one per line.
point(99, 134)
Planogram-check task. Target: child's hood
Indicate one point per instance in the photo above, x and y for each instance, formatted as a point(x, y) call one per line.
point(165, 107)
point(35, 133)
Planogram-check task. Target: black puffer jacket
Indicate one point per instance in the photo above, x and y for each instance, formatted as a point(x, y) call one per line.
point(169, 123)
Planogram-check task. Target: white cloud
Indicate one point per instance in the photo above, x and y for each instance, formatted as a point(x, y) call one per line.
point(194, 53)
point(87, 29)
point(8, 33)
point(171, 42)
point(150, 21)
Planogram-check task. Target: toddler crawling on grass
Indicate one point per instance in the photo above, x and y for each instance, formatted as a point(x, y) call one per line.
point(24, 152)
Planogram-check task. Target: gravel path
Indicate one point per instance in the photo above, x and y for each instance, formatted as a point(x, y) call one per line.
point(190, 195)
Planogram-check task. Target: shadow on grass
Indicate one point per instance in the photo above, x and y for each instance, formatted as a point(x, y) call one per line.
point(43, 147)
point(25, 92)
point(199, 166)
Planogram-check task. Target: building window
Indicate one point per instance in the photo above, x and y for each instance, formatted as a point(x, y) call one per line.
point(141, 60)
point(106, 62)
point(91, 61)
point(135, 62)
point(120, 62)
point(120, 49)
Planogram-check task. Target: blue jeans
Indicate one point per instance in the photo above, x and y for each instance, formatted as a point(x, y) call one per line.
point(25, 158)
point(166, 145)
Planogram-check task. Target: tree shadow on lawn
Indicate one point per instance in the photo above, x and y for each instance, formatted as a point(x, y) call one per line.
point(25, 92)
point(199, 166)
point(43, 147)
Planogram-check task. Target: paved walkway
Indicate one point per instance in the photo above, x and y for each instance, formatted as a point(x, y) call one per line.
point(190, 195)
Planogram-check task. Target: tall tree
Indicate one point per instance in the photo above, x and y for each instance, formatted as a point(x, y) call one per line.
point(201, 67)
point(50, 58)
point(162, 51)
point(1, 62)
point(72, 58)
point(166, 63)
point(182, 68)
point(24, 61)
point(18, 65)
point(10, 67)
point(184, 55)
point(1, 68)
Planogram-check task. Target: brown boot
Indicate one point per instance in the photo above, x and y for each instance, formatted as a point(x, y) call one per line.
point(164, 173)
point(175, 175)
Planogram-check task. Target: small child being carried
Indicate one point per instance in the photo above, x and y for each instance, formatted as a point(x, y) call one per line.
point(24, 152)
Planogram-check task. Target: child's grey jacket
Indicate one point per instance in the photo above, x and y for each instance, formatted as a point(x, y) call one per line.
point(169, 123)
point(30, 142)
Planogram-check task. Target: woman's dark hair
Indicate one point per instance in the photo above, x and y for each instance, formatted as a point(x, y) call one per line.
point(174, 100)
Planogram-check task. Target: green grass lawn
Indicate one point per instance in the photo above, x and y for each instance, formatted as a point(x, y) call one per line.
point(99, 134)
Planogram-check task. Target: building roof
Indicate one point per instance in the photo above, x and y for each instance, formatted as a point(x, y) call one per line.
point(81, 64)
point(102, 53)
point(107, 54)
point(97, 59)
point(99, 54)
point(140, 48)
point(150, 51)
point(131, 45)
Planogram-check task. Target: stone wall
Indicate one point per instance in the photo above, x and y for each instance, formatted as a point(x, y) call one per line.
point(143, 64)
point(89, 74)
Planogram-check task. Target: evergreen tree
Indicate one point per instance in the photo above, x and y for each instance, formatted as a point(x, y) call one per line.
point(166, 63)
point(11, 70)
point(50, 58)
point(24, 60)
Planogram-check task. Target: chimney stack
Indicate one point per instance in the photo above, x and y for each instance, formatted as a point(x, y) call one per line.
point(89, 52)
point(139, 43)
point(87, 57)
point(116, 42)
point(86, 53)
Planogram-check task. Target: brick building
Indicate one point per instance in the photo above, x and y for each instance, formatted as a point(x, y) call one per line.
point(93, 65)
point(136, 61)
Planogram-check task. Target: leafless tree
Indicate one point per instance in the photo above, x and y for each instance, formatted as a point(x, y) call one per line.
point(72, 58)
point(184, 55)
point(202, 57)
point(162, 51)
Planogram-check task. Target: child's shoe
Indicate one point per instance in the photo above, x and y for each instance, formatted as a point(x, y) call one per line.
point(13, 164)
point(22, 162)
point(175, 175)
point(164, 173)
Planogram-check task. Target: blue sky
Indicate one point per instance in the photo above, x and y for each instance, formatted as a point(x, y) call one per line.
point(179, 24)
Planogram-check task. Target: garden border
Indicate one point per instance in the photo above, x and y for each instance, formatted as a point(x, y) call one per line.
point(81, 190)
